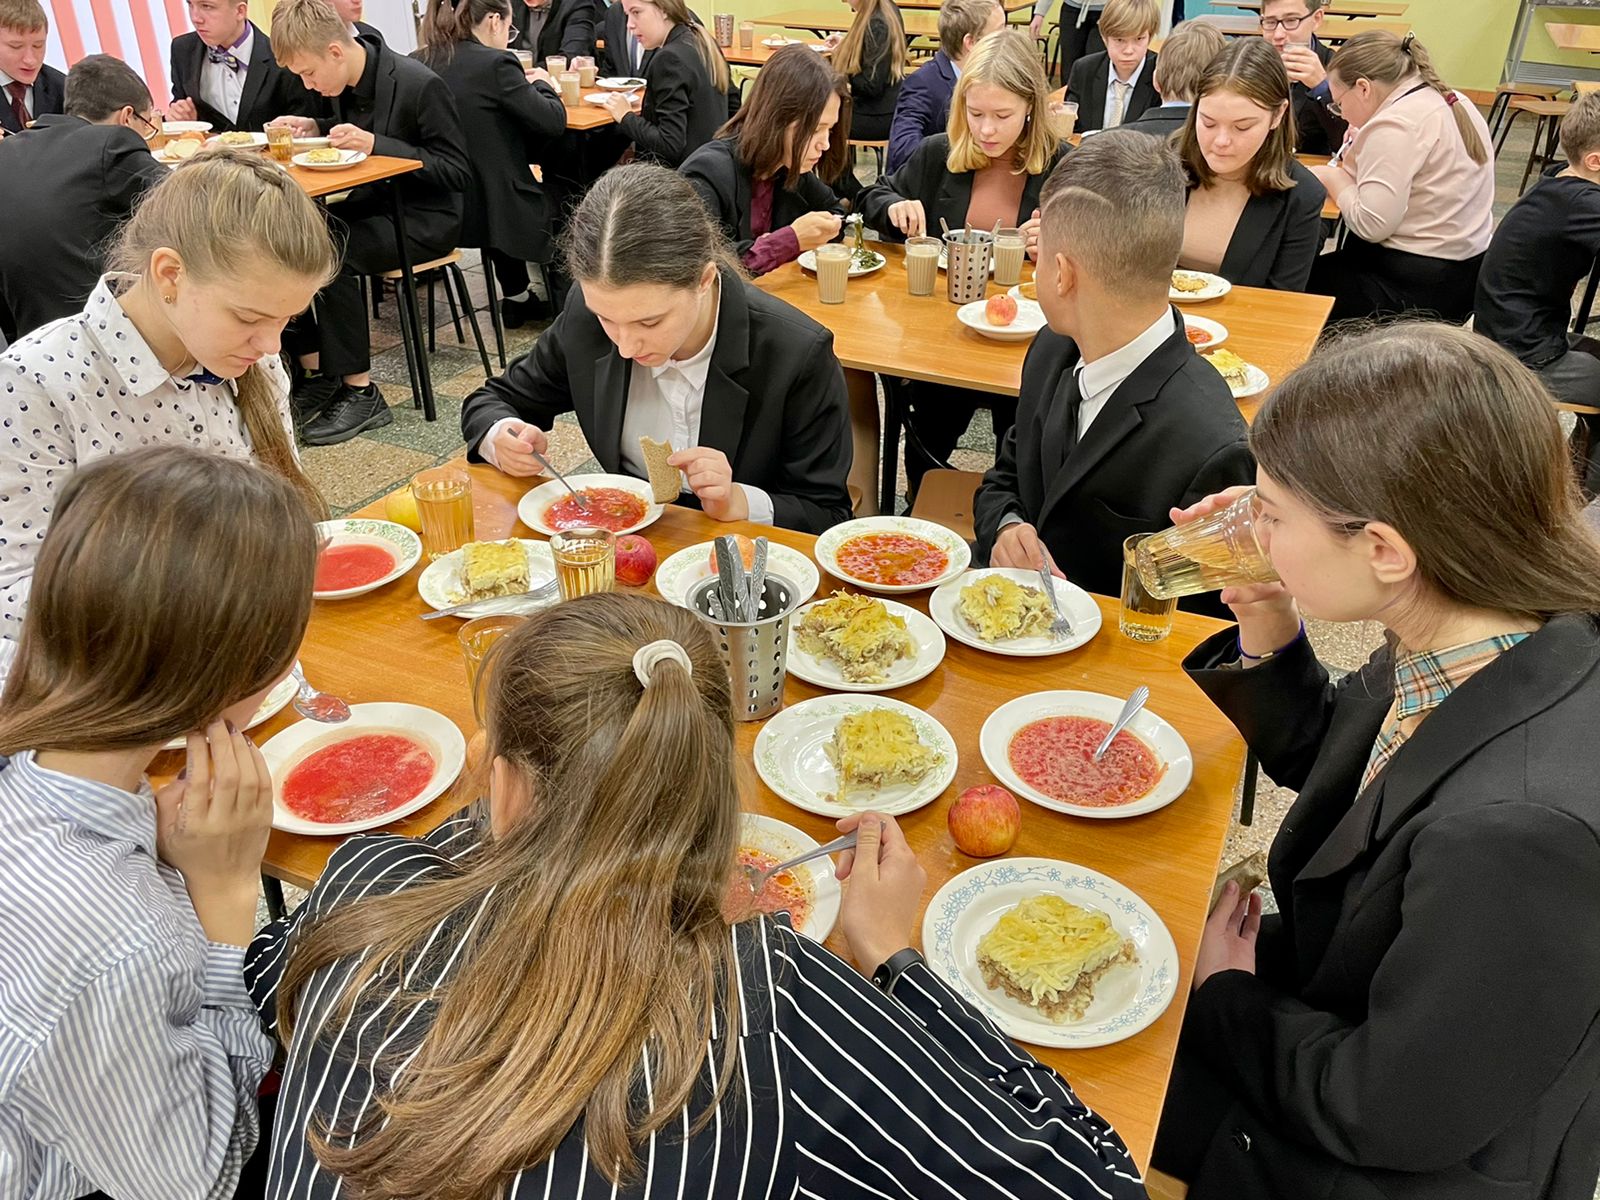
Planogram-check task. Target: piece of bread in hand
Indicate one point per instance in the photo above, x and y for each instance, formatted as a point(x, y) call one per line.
point(1249, 873)
point(666, 483)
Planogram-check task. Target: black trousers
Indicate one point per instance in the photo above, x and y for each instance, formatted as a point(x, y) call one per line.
point(1077, 40)
point(510, 272)
point(940, 414)
point(1368, 280)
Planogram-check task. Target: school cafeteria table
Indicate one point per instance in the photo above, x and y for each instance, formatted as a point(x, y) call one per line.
point(1334, 29)
point(919, 22)
point(882, 329)
point(759, 53)
point(1335, 8)
point(1168, 857)
point(1574, 37)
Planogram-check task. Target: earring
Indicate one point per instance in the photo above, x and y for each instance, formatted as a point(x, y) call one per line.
point(168, 298)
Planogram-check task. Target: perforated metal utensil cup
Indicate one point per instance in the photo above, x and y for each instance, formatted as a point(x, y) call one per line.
point(967, 264)
point(756, 652)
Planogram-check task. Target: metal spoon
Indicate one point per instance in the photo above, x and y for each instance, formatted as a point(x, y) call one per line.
point(757, 878)
point(1134, 704)
point(545, 463)
point(319, 706)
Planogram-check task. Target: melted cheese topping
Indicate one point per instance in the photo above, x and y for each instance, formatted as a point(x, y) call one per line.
point(1233, 368)
point(878, 747)
point(1046, 943)
point(999, 609)
point(493, 569)
point(858, 633)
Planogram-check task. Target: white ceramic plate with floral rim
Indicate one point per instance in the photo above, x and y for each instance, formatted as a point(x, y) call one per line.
point(175, 128)
point(825, 673)
point(861, 266)
point(534, 504)
point(944, 606)
point(678, 573)
point(1255, 382)
point(957, 554)
point(440, 585)
point(620, 83)
point(783, 842)
point(436, 732)
point(347, 158)
point(1215, 288)
point(791, 757)
point(1165, 742)
point(1127, 998)
point(1028, 321)
point(277, 700)
point(1215, 331)
point(402, 543)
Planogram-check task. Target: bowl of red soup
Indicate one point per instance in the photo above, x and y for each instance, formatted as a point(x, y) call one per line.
point(619, 503)
point(1203, 332)
point(892, 554)
point(384, 763)
point(358, 555)
point(809, 893)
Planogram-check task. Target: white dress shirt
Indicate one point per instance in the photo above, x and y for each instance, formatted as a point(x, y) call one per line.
point(27, 96)
point(220, 85)
point(1111, 93)
point(1099, 380)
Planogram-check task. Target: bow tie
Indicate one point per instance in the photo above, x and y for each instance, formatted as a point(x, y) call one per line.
point(203, 376)
point(224, 56)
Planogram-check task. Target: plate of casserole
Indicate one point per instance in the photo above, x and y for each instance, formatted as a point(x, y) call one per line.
point(483, 570)
point(327, 158)
point(1057, 954)
point(1244, 379)
point(855, 643)
point(1188, 287)
point(838, 755)
point(1004, 610)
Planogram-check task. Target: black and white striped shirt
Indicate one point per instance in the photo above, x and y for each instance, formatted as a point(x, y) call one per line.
point(844, 1092)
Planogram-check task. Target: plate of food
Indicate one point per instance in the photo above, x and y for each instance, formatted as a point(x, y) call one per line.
point(276, 701)
point(855, 643)
point(678, 574)
point(1040, 746)
point(837, 755)
point(862, 262)
point(619, 503)
point(1057, 954)
point(239, 139)
point(326, 158)
point(1004, 610)
point(1244, 379)
point(777, 42)
point(1003, 318)
point(1204, 334)
point(180, 128)
point(1027, 290)
point(484, 570)
point(360, 554)
point(619, 83)
point(1194, 286)
point(892, 554)
point(384, 763)
point(809, 893)
point(178, 149)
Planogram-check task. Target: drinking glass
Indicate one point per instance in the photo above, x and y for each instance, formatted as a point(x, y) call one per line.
point(747, 35)
point(586, 561)
point(477, 637)
point(922, 265)
point(555, 64)
point(1218, 551)
point(833, 270)
point(568, 82)
point(444, 509)
point(1143, 617)
point(280, 142)
point(1009, 249)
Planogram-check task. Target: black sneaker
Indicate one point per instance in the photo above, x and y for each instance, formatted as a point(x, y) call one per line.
point(514, 314)
point(355, 411)
point(312, 395)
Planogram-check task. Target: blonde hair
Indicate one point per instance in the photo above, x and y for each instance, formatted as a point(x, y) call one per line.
point(1383, 58)
point(306, 27)
point(705, 42)
point(599, 932)
point(1251, 68)
point(23, 16)
point(223, 212)
point(1580, 128)
point(847, 59)
point(1130, 18)
point(1007, 60)
point(1184, 57)
point(961, 19)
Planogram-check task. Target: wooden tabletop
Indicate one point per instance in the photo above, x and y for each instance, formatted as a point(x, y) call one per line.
point(758, 54)
point(1333, 29)
point(1168, 857)
point(1336, 8)
point(1574, 37)
point(590, 116)
point(1330, 210)
point(882, 328)
point(372, 169)
point(918, 22)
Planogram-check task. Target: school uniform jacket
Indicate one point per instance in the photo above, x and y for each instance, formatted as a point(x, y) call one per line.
point(269, 90)
point(724, 183)
point(1160, 121)
point(614, 60)
point(1424, 1022)
point(943, 193)
point(682, 108)
point(568, 31)
point(1316, 128)
point(922, 109)
point(49, 96)
point(774, 400)
point(1090, 77)
point(873, 90)
point(1279, 234)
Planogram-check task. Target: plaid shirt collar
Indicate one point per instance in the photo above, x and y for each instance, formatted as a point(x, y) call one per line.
point(1423, 680)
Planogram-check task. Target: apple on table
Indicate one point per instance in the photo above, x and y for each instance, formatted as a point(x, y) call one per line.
point(985, 820)
point(636, 560)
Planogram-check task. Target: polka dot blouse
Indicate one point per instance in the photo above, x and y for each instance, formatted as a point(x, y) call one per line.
point(82, 388)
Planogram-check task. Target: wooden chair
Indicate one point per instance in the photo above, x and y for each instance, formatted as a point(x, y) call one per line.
point(1506, 92)
point(878, 148)
point(449, 266)
point(1579, 441)
point(945, 498)
point(1547, 126)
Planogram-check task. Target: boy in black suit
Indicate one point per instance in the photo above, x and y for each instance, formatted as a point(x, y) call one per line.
point(29, 89)
point(1181, 66)
point(623, 56)
point(1119, 420)
point(1306, 59)
point(549, 27)
point(1118, 84)
point(224, 72)
point(381, 103)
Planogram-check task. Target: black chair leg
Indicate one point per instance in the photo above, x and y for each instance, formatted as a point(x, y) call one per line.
point(411, 341)
point(1533, 153)
point(455, 313)
point(460, 279)
point(494, 308)
point(433, 341)
point(1247, 793)
point(272, 890)
point(1505, 128)
point(1581, 322)
point(1497, 113)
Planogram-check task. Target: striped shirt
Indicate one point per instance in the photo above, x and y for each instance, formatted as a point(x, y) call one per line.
point(130, 1053)
point(843, 1092)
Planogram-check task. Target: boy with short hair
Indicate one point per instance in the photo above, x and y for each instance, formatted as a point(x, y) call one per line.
point(923, 107)
point(1180, 67)
point(1290, 27)
point(29, 88)
point(1117, 85)
point(224, 71)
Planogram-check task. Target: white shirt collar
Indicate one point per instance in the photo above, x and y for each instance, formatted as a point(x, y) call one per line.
point(1105, 375)
point(695, 368)
point(6, 79)
point(1111, 73)
point(122, 346)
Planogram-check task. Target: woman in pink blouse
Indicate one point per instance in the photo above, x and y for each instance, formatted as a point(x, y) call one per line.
point(1414, 184)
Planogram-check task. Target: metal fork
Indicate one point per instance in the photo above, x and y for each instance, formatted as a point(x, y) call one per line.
point(757, 878)
point(497, 604)
point(1061, 627)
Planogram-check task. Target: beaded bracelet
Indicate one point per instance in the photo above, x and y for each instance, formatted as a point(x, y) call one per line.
point(1270, 653)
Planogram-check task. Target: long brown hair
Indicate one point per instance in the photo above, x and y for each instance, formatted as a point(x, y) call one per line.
point(644, 223)
point(224, 213)
point(600, 932)
point(785, 103)
point(705, 43)
point(847, 58)
point(1006, 59)
point(1251, 68)
point(448, 23)
point(172, 583)
point(1447, 437)
point(1383, 58)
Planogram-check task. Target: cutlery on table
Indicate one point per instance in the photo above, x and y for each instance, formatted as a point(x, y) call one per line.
point(545, 463)
point(1061, 625)
point(1134, 704)
point(497, 604)
point(318, 706)
point(757, 878)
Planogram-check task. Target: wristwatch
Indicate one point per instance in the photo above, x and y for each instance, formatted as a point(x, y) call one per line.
point(893, 967)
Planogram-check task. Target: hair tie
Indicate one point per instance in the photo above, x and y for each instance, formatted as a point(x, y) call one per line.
point(1405, 42)
point(646, 657)
point(1450, 98)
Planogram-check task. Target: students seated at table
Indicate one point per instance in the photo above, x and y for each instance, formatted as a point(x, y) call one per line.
point(622, 56)
point(381, 103)
point(686, 84)
point(225, 72)
point(169, 348)
point(537, 978)
point(761, 177)
point(1119, 419)
point(555, 27)
point(1255, 213)
point(172, 594)
point(1180, 67)
point(923, 107)
point(872, 55)
point(1117, 84)
point(1417, 1021)
point(65, 187)
point(1415, 186)
point(30, 88)
point(507, 122)
point(1290, 27)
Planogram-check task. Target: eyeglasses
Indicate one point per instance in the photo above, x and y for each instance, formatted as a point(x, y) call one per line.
point(154, 129)
point(1334, 106)
point(1272, 24)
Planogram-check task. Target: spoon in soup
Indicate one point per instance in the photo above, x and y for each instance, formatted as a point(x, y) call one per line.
point(318, 706)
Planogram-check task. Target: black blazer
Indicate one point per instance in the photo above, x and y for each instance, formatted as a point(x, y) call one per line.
point(1158, 120)
point(65, 187)
point(1168, 436)
point(724, 183)
point(613, 59)
point(873, 91)
point(1425, 1018)
point(507, 123)
point(1317, 130)
point(1279, 234)
point(568, 31)
point(49, 96)
point(1087, 83)
point(269, 90)
point(682, 108)
point(943, 193)
point(774, 401)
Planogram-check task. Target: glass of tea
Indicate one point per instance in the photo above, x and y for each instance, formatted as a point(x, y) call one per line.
point(280, 142)
point(477, 637)
point(586, 561)
point(1144, 617)
point(1213, 552)
point(444, 508)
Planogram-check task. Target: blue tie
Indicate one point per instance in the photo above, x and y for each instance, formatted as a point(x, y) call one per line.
point(223, 56)
point(203, 376)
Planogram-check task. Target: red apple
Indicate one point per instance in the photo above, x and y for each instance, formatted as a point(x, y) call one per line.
point(984, 821)
point(636, 560)
point(747, 551)
point(1001, 310)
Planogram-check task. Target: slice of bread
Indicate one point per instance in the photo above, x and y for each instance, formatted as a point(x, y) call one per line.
point(666, 482)
point(1249, 873)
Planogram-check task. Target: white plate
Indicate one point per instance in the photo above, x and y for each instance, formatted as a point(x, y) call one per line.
point(598, 99)
point(1257, 381)
point(825, 673)
point(779, 42)
point(531, 508)
point(173, 128)
point(820, 47)
point(783, 841)
point(1217, 330)
point(256, 139)
point(277, 700)
point(808, 262)
point(1081, 610)
point(1128, 997)
point(402, 542)
point(620, 83)
point(678, 574)
point(1029, 320)
point(439, 585)
point(311, 143)
point(828, 544)
point(994, 742)
point(1216, 286)
point(347, 158)
point(792, 760)
point(295, 743)
point(944, 262)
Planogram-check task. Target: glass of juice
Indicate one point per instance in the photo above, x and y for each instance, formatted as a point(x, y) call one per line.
point(922, 265)
point(833, 270)
point(1144, 617)
point(586, 561)
point(280, 142)
point(1009, 248)
point(444, 508)
point(477, 637)
point(1218, 551)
